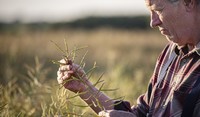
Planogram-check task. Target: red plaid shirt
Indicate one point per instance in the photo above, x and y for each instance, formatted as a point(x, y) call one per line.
point(174, 76)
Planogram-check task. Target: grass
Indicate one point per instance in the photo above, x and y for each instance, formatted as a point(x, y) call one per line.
point(28, 85)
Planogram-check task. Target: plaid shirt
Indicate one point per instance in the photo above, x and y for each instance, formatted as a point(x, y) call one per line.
point(175, 73)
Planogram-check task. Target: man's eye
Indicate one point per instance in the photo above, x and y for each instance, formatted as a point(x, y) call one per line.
point(158, 11)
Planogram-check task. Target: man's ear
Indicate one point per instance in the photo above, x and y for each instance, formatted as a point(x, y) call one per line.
point(190, 4)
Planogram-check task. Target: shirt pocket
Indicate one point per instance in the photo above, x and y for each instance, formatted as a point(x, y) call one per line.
point(176, 103)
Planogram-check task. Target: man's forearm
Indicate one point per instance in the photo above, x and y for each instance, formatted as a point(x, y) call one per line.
point(98, 101)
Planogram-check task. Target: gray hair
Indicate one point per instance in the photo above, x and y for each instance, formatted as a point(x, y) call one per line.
point(186, 1)
point(173, 0)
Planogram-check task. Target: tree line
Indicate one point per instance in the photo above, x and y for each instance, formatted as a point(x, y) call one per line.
point(136, 22)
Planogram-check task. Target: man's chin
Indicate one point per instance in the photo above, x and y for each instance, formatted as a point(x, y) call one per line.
point(171, 38)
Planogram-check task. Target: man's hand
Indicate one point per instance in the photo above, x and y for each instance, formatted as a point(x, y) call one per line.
point(115, 113)
point(72, 76)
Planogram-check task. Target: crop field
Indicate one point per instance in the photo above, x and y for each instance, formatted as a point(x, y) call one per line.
point(28, 85)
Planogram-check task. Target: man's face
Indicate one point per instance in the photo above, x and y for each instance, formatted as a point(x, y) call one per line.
point(170, 19)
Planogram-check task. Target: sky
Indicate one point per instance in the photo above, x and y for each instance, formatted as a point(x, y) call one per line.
point(67, 10)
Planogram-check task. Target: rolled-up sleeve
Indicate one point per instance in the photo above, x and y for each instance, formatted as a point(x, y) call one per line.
point(140, 110)
point(142, 107)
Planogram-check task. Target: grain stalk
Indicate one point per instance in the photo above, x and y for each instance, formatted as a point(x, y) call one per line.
point(70, 55)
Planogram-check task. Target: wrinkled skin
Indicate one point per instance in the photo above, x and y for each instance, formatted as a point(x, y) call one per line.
point(65, 73)
point(174, 20)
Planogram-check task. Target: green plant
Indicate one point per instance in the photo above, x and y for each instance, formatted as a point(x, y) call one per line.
point(70, 56)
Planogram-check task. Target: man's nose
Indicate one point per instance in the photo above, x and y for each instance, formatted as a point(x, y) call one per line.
point(155, 20)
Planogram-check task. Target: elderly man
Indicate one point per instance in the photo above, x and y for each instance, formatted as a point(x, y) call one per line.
point(175, 80)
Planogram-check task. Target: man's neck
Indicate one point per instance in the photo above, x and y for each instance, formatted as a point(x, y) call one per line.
point(193, 46)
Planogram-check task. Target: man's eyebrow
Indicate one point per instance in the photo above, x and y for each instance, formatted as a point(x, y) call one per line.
point(150, 6)
point(157, 5)
point(153, 6)
point(148, 2)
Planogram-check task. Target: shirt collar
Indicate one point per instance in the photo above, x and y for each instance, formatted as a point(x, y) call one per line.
point(178, 50)
point(197, 48)
point(185, 49)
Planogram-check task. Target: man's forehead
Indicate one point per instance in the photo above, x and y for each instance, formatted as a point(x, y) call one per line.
point(150, 2)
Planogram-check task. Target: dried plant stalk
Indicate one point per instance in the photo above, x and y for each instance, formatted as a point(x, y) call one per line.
point(70, 55)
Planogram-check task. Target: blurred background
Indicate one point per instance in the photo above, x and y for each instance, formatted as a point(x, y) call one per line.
point(67, 10)
point(117, 36)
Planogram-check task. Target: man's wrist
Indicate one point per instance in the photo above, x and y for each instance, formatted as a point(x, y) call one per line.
point(122, 105)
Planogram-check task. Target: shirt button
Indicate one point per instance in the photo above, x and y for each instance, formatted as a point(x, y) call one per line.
point(184, 61)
